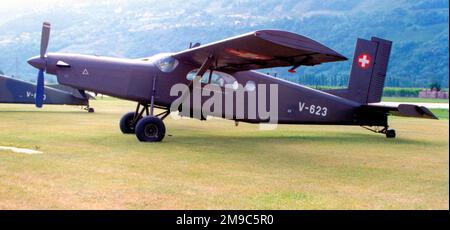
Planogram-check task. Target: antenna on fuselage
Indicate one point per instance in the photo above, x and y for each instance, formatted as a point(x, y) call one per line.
point(193, 46)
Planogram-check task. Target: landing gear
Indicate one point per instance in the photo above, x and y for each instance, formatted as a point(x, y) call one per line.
point(150, 129)
point(128, 122)
point(89, 109)
point(390, 133)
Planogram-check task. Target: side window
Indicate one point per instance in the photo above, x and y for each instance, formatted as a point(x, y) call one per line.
point(217, 78)
point(205, 78)
point(224, 80)
point(250, 86)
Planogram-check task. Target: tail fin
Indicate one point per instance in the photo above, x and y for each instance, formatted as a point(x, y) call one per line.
point(368, 71)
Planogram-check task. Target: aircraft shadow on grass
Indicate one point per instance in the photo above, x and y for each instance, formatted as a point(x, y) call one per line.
point(343, 138)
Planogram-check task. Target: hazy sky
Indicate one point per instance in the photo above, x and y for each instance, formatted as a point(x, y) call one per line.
point(11, 8)
point(23, 5)
point(36, 3)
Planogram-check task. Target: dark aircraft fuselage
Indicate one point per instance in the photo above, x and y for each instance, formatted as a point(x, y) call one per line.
point(218, 79)
point(132, 79)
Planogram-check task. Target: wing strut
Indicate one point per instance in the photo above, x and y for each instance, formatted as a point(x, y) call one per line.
point(205, 66)
point(209, 61)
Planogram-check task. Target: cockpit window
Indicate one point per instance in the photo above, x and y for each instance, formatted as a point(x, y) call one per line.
point(164, 61)
point(167, 64)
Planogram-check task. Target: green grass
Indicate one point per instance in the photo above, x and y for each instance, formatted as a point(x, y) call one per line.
point(88, 164)
point(414, 99)
point(440, 113)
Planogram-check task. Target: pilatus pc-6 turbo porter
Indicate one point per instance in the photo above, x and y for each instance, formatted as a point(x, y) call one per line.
point(224, 70)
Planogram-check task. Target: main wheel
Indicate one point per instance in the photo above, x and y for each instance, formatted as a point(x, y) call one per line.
point(127, 126)
point(91, 110)
point(390, 133)
point(150, 129)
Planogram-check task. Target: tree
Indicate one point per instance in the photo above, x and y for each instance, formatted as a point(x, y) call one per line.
point(1, 72)
point(435, 85)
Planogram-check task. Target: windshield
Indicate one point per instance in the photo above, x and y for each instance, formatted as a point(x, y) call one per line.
point(164, 61)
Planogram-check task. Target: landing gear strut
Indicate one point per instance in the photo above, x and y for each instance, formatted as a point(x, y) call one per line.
point(150, 128)
point(147, 128)
point(390, 133)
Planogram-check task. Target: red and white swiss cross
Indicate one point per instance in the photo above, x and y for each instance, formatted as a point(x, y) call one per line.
point(364, 60)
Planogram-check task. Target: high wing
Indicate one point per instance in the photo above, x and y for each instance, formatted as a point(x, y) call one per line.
point(258, 50)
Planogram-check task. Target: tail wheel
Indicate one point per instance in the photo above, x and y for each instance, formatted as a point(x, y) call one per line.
point(390, 133)
point(150, 129)
point(128, 123)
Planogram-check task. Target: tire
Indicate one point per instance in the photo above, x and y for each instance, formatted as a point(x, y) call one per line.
point(390, 133)
point(150, 129)
point(91, 110)
point(126, 123)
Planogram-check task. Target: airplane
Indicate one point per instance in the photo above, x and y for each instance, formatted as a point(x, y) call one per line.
point(15, 91)
point(233, 61)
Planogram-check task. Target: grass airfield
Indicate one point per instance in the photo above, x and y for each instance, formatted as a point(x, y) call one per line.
point(88, 164)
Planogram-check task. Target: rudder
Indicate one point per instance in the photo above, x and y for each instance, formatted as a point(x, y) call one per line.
point(368, 71)
point(379, 70)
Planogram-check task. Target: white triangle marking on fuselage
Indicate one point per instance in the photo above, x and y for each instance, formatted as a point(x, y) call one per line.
point(85, 72)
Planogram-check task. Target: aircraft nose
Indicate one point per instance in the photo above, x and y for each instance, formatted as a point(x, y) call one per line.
point(37, 62)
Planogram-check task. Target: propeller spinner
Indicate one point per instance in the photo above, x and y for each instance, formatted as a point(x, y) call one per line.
point(40, 63)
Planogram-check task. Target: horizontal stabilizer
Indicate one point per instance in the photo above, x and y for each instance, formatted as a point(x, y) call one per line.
point(404, 110)
point(75, 92)
point(415, 111)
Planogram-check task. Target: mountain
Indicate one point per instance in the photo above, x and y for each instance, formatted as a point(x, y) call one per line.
point(119, 28)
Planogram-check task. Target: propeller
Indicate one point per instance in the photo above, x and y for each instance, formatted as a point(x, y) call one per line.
point(39, 100)
point(40, 63)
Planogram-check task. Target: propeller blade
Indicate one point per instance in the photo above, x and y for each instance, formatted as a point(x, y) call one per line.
point(44, 38)
point(40, 89)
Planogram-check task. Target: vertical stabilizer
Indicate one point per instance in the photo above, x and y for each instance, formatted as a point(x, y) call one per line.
point(368, 71)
